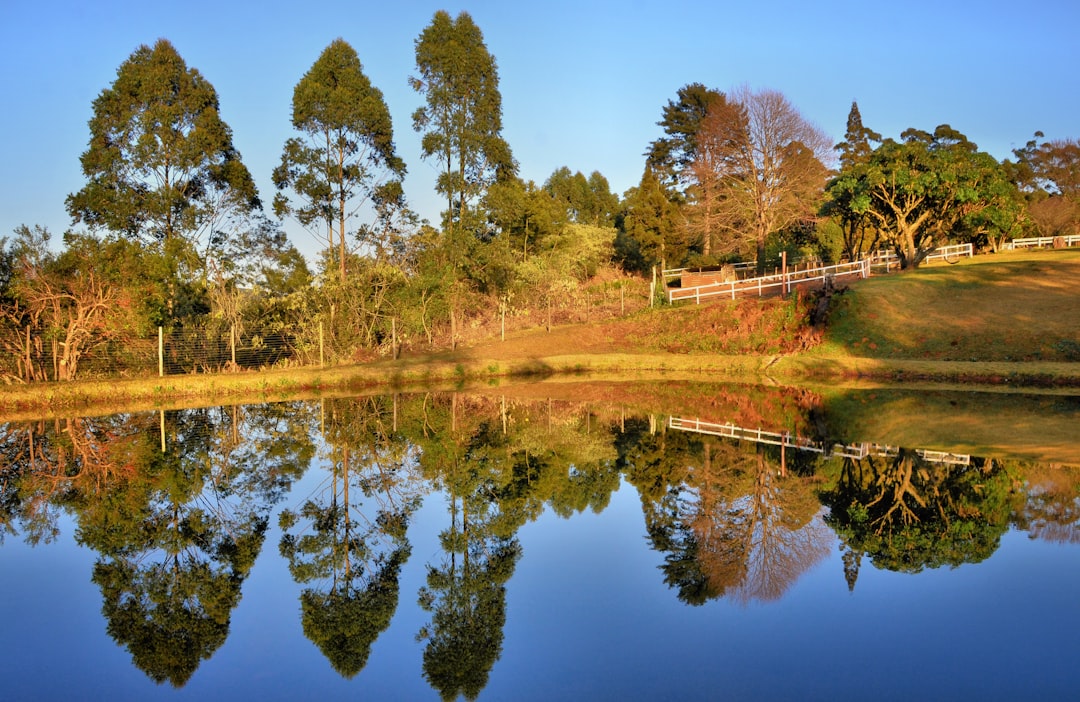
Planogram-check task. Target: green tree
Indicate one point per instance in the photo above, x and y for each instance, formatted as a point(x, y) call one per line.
point(461, 121)
point(583, 200)
point(161, 164)
point(522, 215)
point(649, 227)
point(345, 160)
point(859, 234)
point(671, 156)
point(929, 189)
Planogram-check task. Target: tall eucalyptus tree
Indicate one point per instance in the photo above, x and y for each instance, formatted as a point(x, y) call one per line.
point(345, 160)
point(461, 121)
point(161, 165)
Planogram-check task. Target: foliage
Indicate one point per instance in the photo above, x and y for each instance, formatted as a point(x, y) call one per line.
point(673, 155)
point(161, 162)
point(763, 165)
point(345, 623)
point(927, 190)
point(521, 215)
point(583, 200)
point(351, 556)
point(461, 121)
point(859, 234)
point(1048, 175)
point(95, 296)
point(729, 518)
point(346, 159)
point(907, 514)
point(177, 532)
point(649, 227)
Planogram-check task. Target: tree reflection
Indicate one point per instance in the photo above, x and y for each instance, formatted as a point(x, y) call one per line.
point(178, 532)
point(908, 514)
point(1051, 510)
point(469, 457)
point(737, 523)
point(353, 552)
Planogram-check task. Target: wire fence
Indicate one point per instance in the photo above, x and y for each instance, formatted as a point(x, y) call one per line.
point(193, 349)
point(31, 356)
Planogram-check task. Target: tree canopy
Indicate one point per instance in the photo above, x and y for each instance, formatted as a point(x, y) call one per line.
point(346, 159)
point(461, 122)
point(161, 162)
point(926, 190)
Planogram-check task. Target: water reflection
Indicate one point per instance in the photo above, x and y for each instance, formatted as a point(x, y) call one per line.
point(176, 533)
point(348, 541)
point(739, 516)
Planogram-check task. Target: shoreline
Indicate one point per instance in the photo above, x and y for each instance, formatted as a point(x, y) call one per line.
point(456, 371)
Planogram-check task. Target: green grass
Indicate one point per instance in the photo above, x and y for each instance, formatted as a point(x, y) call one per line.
point(1023, 306)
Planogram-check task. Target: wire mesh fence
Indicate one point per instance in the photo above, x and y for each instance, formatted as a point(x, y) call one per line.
point(192, 349)
point(28, 355)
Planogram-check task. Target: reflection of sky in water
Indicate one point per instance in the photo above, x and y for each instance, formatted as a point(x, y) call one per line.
point(588, 616)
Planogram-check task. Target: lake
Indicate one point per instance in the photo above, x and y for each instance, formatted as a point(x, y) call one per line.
point(548, 541)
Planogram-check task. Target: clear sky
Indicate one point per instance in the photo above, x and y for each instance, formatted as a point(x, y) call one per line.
point(583, 83)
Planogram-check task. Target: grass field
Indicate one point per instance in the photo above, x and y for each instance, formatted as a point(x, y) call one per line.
point(1022, 306)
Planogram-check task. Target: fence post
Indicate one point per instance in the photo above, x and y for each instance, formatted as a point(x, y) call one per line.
point(322, 357)
point(783, 272)
point(232, 343)
point(161, 352)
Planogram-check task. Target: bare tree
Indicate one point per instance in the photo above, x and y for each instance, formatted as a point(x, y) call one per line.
point(763, 165)
point(719, 132)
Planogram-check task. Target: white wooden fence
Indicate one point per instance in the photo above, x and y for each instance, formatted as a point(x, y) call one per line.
point(1042, 242)
point(770, 284)
point(809, 276)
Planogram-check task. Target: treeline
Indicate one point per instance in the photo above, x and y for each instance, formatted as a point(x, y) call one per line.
point(169, 231)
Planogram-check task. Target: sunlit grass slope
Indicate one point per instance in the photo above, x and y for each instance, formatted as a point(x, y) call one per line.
point(1022, 306)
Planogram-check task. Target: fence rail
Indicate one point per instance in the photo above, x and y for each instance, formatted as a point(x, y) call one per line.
point(811, 276)
point(1044, 242)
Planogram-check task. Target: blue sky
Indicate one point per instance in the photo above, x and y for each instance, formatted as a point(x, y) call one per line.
point(583, 83)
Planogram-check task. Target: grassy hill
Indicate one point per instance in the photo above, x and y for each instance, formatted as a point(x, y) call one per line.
point(1021, 306)
point(1011, 317)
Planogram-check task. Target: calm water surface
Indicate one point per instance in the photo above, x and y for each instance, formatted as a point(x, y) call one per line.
point(477, 546)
